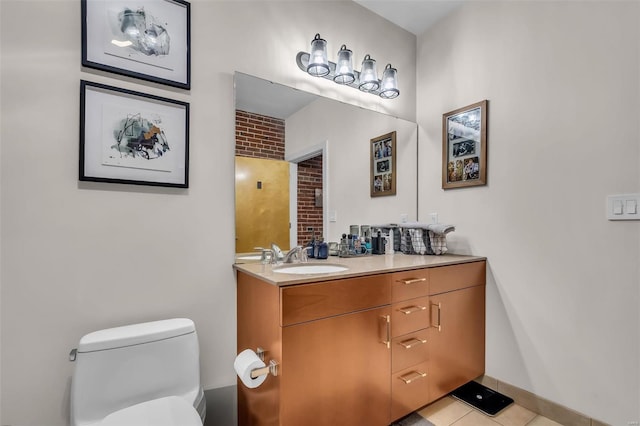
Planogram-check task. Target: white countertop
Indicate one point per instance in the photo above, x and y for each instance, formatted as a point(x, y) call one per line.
point(358, 267)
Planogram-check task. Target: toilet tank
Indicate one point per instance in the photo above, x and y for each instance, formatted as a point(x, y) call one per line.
point(119, 367)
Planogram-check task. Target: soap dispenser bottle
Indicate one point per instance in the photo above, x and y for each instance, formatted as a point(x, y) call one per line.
point(322, 249)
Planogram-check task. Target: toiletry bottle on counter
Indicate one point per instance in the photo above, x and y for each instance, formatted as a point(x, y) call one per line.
point(343, 249)
point(321, 249)
point(378, 244)
point(390, 249)
point(311, 247)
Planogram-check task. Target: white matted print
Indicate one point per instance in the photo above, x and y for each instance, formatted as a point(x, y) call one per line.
point(132, 137)
point(148, 39)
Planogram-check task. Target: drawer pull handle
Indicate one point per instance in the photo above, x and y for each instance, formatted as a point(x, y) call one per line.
point(408, 344)
point(439, 307)
point(413, 376)
point(409, 309)
point(387, 321)
point(413, 280)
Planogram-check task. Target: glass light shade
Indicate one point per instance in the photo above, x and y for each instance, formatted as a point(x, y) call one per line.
point(368, 75)
point(344, 67)
point(318, 62)
point(389, 87)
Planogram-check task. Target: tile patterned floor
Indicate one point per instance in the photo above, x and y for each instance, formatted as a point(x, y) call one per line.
point(451, 412)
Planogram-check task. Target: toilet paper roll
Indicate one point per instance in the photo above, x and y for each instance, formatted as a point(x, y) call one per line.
point(246, 361)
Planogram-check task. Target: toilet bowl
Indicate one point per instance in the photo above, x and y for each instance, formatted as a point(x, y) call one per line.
point(139, 375)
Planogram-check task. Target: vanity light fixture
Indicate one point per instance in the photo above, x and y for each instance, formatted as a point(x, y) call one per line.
point(389, 85)
point(344, 67)
point(317, 64)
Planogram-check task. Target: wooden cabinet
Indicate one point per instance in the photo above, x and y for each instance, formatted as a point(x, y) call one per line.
point(364, 350)
point(335, 371)
point(335, 359)
point(457, 335)
point(410, 348)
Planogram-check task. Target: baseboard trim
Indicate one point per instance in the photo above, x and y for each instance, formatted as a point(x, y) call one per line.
point(549, 409)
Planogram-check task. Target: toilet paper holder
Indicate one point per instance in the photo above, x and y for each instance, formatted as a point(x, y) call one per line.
point(271, 368)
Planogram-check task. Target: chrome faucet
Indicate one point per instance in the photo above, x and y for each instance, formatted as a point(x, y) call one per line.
point(296, 254)
point(273, 255)
point(267, 255)
point(277, 253)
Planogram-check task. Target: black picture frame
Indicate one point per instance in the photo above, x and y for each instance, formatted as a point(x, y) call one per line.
point(130, 137)
point(112, 40)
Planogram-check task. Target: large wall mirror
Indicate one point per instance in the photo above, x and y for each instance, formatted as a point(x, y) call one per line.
point(303, 167)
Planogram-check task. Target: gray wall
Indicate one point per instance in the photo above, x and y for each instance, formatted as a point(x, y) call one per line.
point(563, 84)
point(562, 79)
point(67, 247)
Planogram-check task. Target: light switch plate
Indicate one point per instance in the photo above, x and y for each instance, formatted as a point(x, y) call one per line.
point(623, 207)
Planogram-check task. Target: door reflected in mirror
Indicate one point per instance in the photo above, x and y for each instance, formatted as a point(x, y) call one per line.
point(262, 212)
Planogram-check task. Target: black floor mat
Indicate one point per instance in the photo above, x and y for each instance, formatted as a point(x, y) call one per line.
point(481, 397)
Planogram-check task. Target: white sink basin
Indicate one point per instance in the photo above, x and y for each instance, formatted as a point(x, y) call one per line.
point(310, 268)
point(249, 257)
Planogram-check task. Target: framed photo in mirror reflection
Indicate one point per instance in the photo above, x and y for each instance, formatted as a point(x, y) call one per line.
point(383, 174)
point(464, 146)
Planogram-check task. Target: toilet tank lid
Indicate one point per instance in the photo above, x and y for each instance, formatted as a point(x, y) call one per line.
point(135, 334)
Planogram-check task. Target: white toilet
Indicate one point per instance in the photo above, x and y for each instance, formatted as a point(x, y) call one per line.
point(138, 375)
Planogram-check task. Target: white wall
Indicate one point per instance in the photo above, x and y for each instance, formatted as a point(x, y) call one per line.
point(562, 80)
point(80, 257)
point(348, 131)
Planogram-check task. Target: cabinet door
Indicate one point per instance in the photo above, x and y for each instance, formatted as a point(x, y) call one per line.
point(457, 339)
point(335, 371)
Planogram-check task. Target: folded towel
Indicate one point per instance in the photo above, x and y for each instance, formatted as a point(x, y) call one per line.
point(441, 229)
point(438, 243)
point(427, 242)
point(417, 242)
point(405, 247)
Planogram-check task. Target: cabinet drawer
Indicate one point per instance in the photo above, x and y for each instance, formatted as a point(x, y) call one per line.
point(454, 277)
point(409, 284)
point(409, 315)
point(307, 302)
point(409, 390)
point(408, 350)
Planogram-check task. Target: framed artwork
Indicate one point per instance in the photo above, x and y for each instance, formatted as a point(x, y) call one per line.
point(147, 39)
point(383, 165)
point(464, 146)
point(131, 137)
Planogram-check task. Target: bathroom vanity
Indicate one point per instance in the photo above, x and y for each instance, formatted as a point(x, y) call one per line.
point(367, 345)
